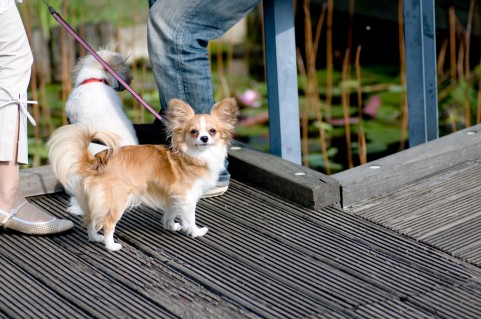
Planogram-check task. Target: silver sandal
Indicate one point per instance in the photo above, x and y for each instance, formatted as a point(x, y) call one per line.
point(54, 226)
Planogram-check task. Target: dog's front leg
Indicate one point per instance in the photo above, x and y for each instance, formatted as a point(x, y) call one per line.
point(187, 215)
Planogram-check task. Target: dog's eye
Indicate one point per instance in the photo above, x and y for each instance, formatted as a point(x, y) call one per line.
point(194, 132)
point(212, 131)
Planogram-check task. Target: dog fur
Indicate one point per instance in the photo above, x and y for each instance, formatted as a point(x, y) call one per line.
point(97, 104)
point(171, 178)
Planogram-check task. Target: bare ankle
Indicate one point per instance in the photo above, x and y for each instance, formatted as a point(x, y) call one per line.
point(10, 198)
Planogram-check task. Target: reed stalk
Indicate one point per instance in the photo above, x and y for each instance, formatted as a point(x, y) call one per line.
point(220, 69)
point(460, 61)
point(66, 87)
point(27, 18)
point(320, 23)
point(329, 59)
point(452, 43)
point(312, 89)
point(352, 4)
point(345, 91)
point(361, 136)
point(135, 104)
point(230, 60)
point(46, 122)
point(441, 59)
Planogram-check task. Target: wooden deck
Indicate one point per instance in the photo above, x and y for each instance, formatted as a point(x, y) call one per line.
point(399, 241)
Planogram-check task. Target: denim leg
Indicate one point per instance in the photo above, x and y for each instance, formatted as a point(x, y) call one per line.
point(178, 35)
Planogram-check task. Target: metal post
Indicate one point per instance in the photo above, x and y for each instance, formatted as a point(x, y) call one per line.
point(281, 71)
point(420, 41)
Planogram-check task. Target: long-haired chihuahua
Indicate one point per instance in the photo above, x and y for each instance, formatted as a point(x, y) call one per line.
point(172, 178)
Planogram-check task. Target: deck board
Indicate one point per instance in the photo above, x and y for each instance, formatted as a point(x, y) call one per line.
point(442, 209)
point(404, 167)
point(263, 257)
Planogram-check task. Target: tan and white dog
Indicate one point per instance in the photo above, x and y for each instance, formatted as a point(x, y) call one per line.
point(94, 101)
point(171, 178)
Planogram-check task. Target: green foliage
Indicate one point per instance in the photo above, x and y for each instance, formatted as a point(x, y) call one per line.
point(382, 131)
point(120, 13)
point(452, 105)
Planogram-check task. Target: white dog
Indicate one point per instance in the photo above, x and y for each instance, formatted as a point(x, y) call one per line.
point(94, 101)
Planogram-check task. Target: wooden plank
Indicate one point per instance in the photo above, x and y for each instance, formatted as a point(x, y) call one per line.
point(299, 184)
point(441, 210)
point(390, 172)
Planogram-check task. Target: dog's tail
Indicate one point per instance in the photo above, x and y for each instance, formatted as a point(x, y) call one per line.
point(70, 158)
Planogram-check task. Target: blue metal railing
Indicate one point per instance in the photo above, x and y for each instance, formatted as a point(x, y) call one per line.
point(281, 72)
point(419, 27)
point(420, 43)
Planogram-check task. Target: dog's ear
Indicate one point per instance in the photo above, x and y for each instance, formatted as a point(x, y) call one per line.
point(179, 112)
point(120, 66)
point(226, 111)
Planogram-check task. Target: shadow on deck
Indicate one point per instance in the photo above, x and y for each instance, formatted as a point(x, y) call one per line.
point(402, 243)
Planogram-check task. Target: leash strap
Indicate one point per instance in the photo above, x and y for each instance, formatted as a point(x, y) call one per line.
point(101, 61)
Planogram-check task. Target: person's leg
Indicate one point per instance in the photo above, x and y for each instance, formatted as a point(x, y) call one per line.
point(177, 38)
point(10, 194)
point(178, 35)
point(15, 62)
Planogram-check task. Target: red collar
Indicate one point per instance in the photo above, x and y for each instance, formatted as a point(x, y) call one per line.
point(93, 80)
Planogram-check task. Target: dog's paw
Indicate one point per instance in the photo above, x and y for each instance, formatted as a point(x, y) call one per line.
point(75, 210)
point(198, 232)
point(176, 227)
point(113, 246)
point(96, 238)
point(173, 226)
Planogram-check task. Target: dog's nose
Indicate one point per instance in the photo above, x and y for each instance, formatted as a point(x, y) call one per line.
point(204, 139)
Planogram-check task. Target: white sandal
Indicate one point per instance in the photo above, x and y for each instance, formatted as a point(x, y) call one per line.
point(53, 226)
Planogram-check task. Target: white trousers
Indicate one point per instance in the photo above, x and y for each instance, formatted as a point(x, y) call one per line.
point(15, 69)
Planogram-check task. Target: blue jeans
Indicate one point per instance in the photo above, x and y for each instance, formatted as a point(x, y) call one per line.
point(178, 33)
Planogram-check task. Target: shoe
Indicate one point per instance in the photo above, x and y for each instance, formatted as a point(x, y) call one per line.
point(54, 226)
point(222, 183)
point(220, 187)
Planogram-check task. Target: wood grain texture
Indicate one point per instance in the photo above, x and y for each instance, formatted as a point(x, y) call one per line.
point(363, 182)
point(299, 184)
